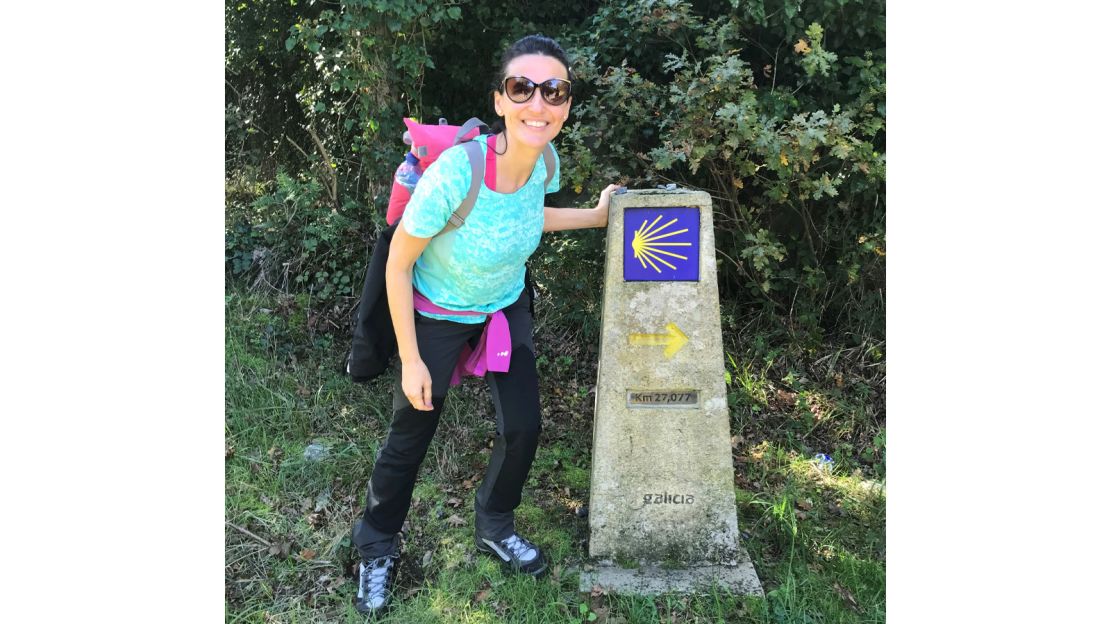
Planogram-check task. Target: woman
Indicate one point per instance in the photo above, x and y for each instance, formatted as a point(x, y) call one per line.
point(459, 283)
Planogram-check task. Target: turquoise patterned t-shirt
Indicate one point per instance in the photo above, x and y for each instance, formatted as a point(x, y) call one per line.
point(479, 266)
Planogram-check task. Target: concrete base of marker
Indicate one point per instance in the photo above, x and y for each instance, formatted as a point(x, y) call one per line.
point(652, 580)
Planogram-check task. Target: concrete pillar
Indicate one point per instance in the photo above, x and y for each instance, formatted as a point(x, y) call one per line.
point(662, 505)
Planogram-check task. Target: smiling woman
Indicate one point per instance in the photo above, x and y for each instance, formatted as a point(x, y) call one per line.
point(529, 122)
point(463, 292)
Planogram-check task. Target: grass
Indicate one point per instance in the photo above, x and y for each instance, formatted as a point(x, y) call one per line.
point(816, 535)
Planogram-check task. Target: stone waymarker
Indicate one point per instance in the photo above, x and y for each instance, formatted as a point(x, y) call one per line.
point(661, 491)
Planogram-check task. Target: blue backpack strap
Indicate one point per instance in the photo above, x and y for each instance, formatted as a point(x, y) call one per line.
point(477, 174)
point(470, 124)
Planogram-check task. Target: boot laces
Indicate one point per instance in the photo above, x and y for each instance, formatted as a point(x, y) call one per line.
point(520, 548)
point(375, 576)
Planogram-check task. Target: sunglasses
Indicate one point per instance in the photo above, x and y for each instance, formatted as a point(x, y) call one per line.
point(519, 89)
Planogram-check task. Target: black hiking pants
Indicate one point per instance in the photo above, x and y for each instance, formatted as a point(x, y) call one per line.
point(516, 402)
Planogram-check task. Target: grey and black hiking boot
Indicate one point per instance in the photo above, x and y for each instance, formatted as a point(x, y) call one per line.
point(375, 585)
point(515, 551)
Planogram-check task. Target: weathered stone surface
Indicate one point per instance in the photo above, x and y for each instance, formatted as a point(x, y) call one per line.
point(662, 476)
point(650, 580)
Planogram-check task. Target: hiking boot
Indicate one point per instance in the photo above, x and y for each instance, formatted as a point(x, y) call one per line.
point(517, 552)
point(375, 584)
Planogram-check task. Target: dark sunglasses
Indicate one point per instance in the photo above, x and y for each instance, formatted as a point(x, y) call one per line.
point(519, 89)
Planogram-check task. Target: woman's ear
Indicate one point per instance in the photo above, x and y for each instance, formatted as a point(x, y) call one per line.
point(497, 104)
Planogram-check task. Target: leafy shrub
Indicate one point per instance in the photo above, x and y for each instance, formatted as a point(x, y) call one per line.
point(776, 109)
point(783, 131)
point(292, 239)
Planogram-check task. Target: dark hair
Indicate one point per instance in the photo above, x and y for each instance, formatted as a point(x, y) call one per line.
point(531, 44)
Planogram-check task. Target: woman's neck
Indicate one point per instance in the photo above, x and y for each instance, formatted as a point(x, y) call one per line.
point(515, 164)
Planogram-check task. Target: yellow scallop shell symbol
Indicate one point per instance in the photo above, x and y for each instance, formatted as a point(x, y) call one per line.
point(648, 250)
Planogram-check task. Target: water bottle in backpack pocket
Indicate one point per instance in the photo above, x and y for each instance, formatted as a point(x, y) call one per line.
point(408, 174)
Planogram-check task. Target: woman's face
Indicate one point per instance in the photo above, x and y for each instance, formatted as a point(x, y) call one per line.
point(535, 122)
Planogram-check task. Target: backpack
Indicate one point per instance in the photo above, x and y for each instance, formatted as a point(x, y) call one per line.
point(373, 343)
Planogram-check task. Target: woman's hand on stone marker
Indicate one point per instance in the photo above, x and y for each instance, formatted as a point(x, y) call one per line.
point(602, 209)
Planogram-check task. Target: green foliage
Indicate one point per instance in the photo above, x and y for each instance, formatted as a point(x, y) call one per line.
point(815, 59)
point(776, 109)
point(568, 270)
point(759, 110)
point(371, 57)
point(291, 238)
point(259, 76)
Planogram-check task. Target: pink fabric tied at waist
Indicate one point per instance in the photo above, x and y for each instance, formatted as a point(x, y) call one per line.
point(495, 347)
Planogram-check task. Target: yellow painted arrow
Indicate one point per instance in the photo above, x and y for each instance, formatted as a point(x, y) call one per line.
point(674, 340)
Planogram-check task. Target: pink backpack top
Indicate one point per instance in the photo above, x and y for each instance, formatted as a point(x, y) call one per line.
point(428, 141)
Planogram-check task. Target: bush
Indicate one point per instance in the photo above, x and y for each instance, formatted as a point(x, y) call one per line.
point(776, 109)
point(292, 239)
point(783, 131)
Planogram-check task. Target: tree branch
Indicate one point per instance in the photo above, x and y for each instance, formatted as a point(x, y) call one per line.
point(332, 183)
point(299, 148)
point(260, 540)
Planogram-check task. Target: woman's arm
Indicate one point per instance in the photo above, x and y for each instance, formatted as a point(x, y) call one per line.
point(416, 382)
point(556, 219)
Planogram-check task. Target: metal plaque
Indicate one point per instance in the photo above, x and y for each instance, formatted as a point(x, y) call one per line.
point(663, 398)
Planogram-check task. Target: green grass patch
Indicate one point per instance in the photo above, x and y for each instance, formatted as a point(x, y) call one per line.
point(301, 441)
